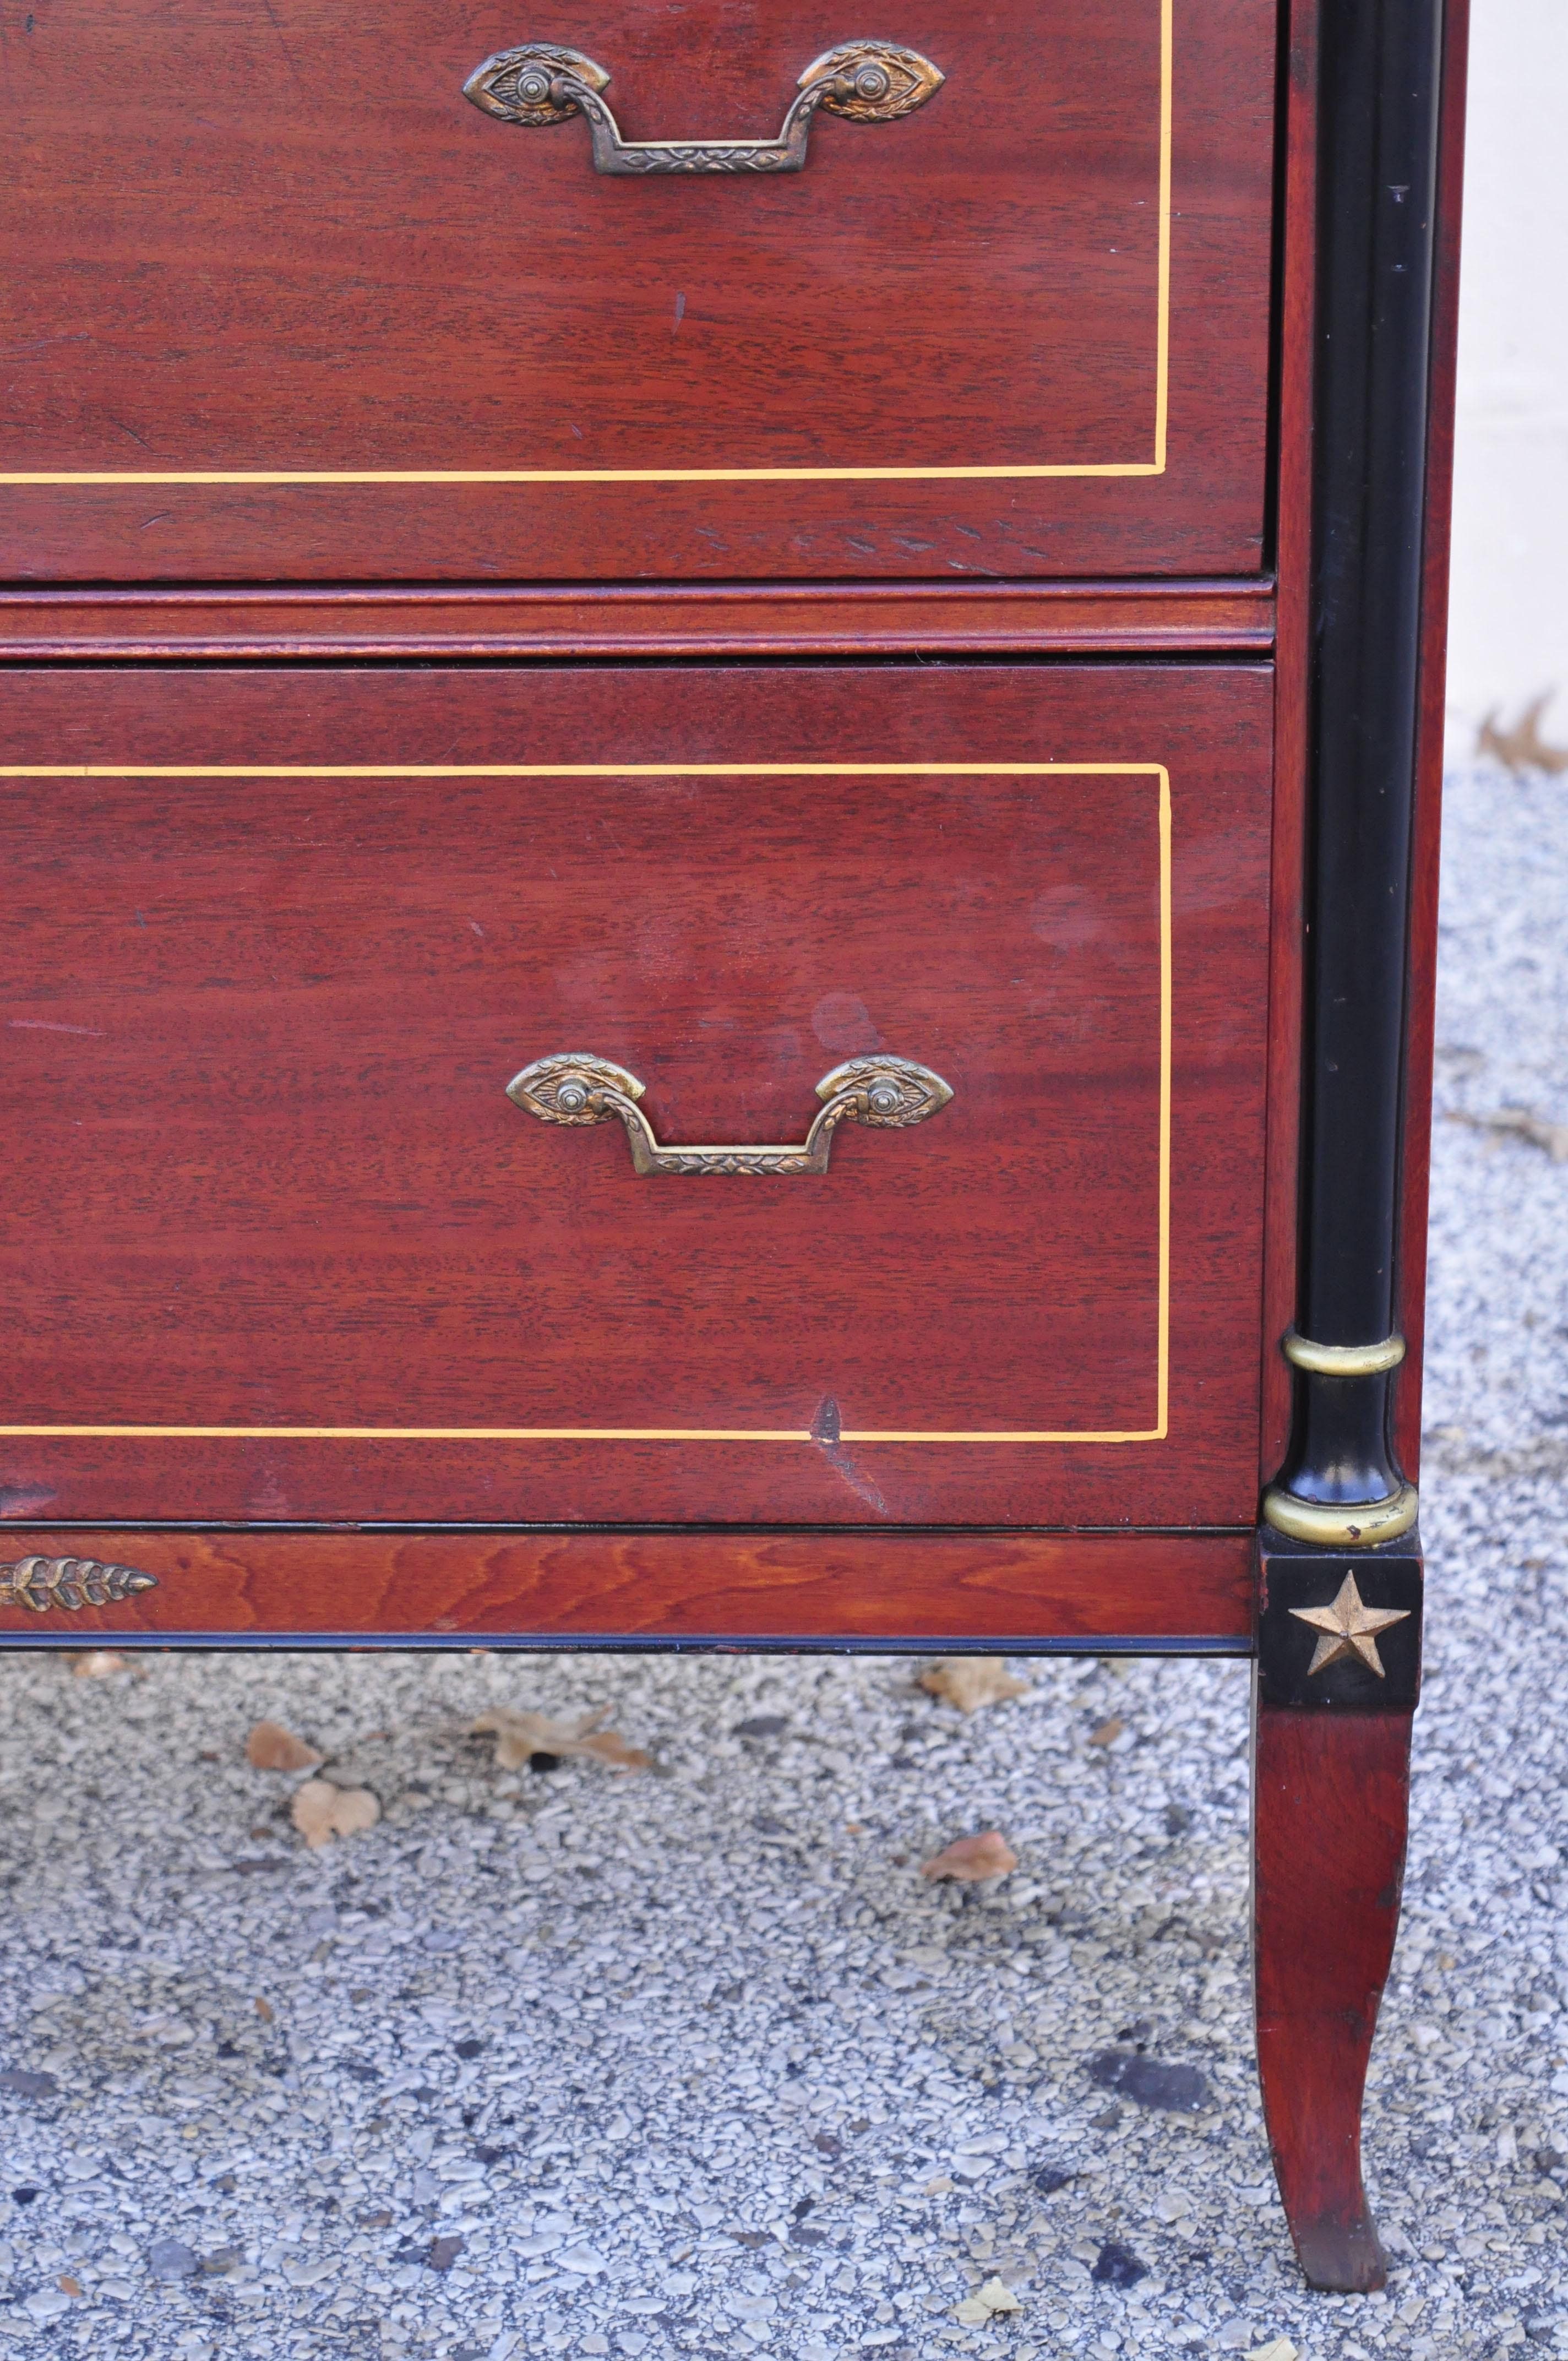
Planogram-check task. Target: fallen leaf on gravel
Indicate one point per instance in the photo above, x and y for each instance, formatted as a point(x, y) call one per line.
point(1278, 2348)
point(969, 1682)
point(993, 2296)
point(323, 1811)
point(1522, 748)
point(519, 1735)
point(1535, 1129)
point(68, 2285)
point(98, 1664)
point(270, 1746)
point(264, 2011)
point(990, 1855)
point(1106, 1733)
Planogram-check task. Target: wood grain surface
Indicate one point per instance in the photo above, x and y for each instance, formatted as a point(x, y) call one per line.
point(263, 1175)
point(245, 243)
point(1293, 538)
point(1330, 1797)
point(640, 1588)
point(754, 619)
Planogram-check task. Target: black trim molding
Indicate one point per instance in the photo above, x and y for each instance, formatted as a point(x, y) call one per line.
point(1380, 75)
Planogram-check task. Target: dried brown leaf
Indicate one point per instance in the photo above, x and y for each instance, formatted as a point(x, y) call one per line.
point(1522, 748)
point(1106, 1733)
point(969, 1682)
point(270, 1746)
point(609, 1746)
point(1536, 1128)
point(990, 1855)
point(98, 1665)
point(986, 2301)
point(264, 2011)
point(323, 1811)
point(519, 1735)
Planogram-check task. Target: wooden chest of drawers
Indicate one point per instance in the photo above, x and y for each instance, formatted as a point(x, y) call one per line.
point(720, 836)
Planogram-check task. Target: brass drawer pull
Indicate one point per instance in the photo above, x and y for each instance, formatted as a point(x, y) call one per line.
point(40, 1583)
point(864, 81)
point(575, 1088)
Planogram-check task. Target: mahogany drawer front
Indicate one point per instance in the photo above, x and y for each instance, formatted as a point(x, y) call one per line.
point(279, 1247)
point(286, 306)
point(630, 1589)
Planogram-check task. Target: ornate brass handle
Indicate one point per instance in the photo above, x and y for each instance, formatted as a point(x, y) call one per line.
point(40, 1583)
point(864, 81)
point(575, 1088)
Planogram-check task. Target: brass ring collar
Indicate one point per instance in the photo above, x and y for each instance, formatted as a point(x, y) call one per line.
point(1342, 1524)
point(1341, 1360)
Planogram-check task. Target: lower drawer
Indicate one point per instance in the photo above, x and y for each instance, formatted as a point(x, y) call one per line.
point(280, 1248)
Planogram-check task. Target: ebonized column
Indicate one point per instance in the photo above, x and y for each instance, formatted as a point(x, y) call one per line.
point(1340, 1572)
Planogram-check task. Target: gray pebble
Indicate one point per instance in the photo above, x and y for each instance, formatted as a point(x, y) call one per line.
point(26, 2085)
point(171, 2258)
point(1150, 2083)
point(1117, 2265)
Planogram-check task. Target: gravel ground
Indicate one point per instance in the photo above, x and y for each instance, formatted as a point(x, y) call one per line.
point(694, 2061)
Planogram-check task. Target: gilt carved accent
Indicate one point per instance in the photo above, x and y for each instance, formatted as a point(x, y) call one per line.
point(73, 1583)
point(1348, 1629)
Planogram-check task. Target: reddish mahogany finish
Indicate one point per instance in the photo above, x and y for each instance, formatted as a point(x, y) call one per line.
point(866, 619)
point(613, 1589)
point(264, 1175)
point(239, 242)
point(1293, 530)
point(1330, 1804)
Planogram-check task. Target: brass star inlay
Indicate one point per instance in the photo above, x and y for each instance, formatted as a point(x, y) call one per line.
point(1348, 1629)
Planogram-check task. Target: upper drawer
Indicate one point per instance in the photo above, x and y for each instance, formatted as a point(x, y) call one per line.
point(286, 304)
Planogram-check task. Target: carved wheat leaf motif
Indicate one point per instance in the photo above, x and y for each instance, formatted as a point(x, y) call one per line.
point(40, 1583)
